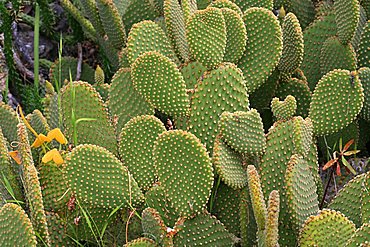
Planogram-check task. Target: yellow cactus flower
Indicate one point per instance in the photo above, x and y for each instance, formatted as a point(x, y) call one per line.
point(40, 139)
point(57, 135)
point(53, 155)
point(16, 156)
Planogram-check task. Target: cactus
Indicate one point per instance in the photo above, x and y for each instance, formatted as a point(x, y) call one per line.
point(364, 76)
point(284, 110)
point(245, 5)
point(361, 236)
point(141, 242)
point(346, 20)
point(15, 227)
point(8, 122)
point(153, 225)
point(363, 49)
point(303, 9)
point(226, 4)
point(365, 207)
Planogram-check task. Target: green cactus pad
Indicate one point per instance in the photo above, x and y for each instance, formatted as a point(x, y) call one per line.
point(364, 47)
point(8, 122)
point(364, 76)
point(175, 26)
point(314, 37)
point(299, 90)
point(264, 46)
point(124, 101)
point(346, 20)
point(86, 103)
point(51, 110)
point(236, 36)
point(141, 242)
point(346, 201)
point(136, 145)
point(153, 225)
point(248, 226)
point(226, 4)
point(272, 219)
point(95, 175)
point(69, 64)
point(331, 114)
point(355, 42)
point(39, 123)
point(246, 4)
point(174, 156)
point(361, 236)
point(365, 198)
point(292, 55)
point(103, 90)
point(226, 208)
point(156, 198)
point(206, 35)
point(90, 10)
point(57, 230)
point(15, 227)
point(147, 36)
point(257, 199)
point(303, 135)
point(243, 131)
point(325, 229)
point(335, 55)
point(229, 165)
point(139, 10)
point(284, 110)
point(112, 23)
point(31, 185)
point(303, 9)
point(191, 73)
point(203, 230)
point(158, 79)
point(223, 89)
point(301, 196)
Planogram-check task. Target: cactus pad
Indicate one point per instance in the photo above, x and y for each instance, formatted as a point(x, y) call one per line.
point(136, 143)
point(141, 242)
point(95, 175)
point(303, 135)
point(174, 156)
point(8, 122)
point(192, 72)
point(331, 114)
point(15, 227)
point(361, 236)
point(284, 110)
point(364, 47)
point(325, 229)
point(272, 220)
point(246, 4)
point(153, 225)
point(264, 46)
point(303, 9)
point(158, 79)
point(364, 76)
point(226, 4)
point(243, 131)
point(365, 198)
point(346, 20)
point(206, 34)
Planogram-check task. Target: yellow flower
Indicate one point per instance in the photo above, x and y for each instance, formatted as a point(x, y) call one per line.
point(53, 155)
point(40, 139)
point(16, 156)
point(53, 134)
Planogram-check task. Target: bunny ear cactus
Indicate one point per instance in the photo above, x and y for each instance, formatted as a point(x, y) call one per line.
point(365, 198)
point(284, 110)
point(226, 4)
point(330, 115)
point(15, 227)
point(361, 237)
point(303, 9)
point(364, 76)
point(141, 242)
point(346, 20)
point(326, 228)
point(245, 5)
point(8, 122)
point(264, 46)
point(173, 157)
point(363, 50)
point(154, 227)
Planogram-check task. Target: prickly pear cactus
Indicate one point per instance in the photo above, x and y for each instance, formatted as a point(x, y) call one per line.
point(284, 110)
point(8, 122)
point(361, 236)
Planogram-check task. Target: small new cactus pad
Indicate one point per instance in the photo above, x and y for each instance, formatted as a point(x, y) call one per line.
point(303, 135)
point(257, 199)
point(81, 101)
point(112, 23)
point(226, 4)
point(99, 75)
point(365, 199)
point(203, 230)
point(173, 157)
point(292, 55)
point(15, 227)
point(124, 101)
point(158, 79)
point(141, 242)
point(206, 35)
point(284, 110)
point(299, 90)
point(364, 47)
point(331, 114)
point(248, 226)
point(136, 145)
point(361, 236)
point(229, 165)
point(303, 9)
point(335, 55)
point(243, 132)
point(222, 89)
point(226, 207)
point(68, 67)
point(147, 36)
point(328, 228)
point(364, 76)
point(95, 175)
point(156, 198)
point(175, 26)
point(8, 122)
point(314, 37)
point(264, 46)
point(245, 5)
point(31, 185)
point(153, 225)
point(301, 196)
point(346, 20)
point(346, 201)
point(236, 35)
point(272, 220)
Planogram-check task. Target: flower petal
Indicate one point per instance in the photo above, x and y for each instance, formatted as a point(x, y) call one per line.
point(57, 135)
point(40, 139)
point(53, 155)
point(16, 156)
